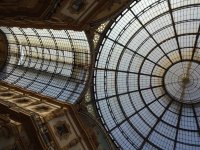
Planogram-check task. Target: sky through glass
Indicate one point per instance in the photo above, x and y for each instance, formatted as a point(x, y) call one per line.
point(146, 76)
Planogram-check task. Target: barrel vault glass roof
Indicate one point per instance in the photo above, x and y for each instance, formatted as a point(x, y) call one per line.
point(50, 62)
point(146, 76)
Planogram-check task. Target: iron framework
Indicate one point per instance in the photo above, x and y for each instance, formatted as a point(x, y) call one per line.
point(146, 76)
point(53, 63)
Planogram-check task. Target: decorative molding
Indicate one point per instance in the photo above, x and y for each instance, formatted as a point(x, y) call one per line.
point(77, 6)
point(74, 142)
point(62, 130)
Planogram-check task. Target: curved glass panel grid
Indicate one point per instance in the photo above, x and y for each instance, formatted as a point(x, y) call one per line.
point(146, 77)
point(51, 62)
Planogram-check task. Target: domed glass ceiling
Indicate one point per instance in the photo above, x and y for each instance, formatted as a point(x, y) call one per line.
point(146, 77)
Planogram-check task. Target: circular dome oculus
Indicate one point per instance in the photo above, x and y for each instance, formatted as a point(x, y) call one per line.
point(182, 82)
point(146, 77)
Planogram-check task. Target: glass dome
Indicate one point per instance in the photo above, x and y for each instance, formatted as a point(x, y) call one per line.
point(146, 76)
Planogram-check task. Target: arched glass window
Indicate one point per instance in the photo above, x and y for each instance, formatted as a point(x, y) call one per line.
point(54, 63)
